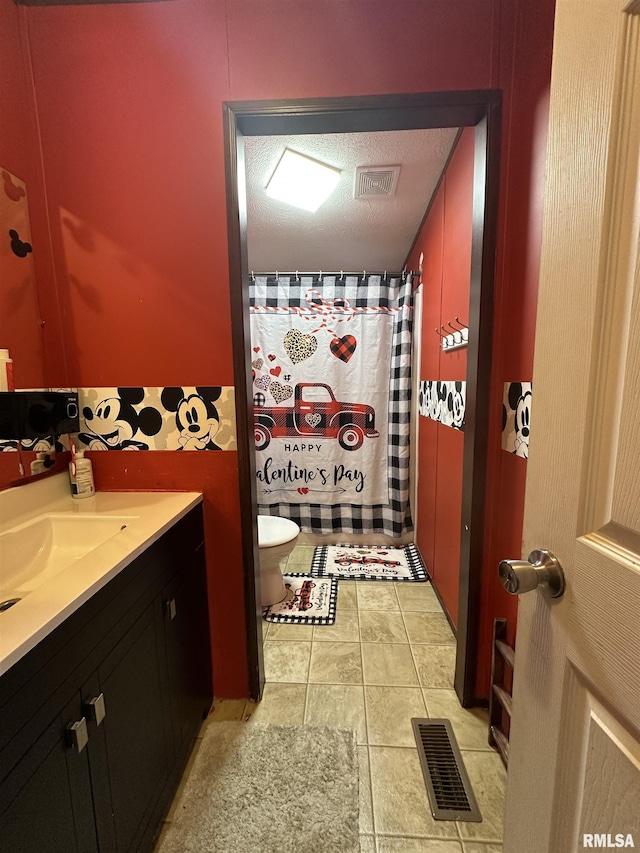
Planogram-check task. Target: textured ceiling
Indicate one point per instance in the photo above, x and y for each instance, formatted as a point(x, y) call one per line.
point(345, 233)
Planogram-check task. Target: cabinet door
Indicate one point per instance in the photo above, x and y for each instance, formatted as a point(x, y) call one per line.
point(136, 729)
point(186, 624)
point(46, 802)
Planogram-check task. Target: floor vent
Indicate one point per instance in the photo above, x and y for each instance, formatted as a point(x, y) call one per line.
point(450, 793)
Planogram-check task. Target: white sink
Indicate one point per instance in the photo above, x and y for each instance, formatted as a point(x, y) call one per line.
point(56, 552)
point(36, 551)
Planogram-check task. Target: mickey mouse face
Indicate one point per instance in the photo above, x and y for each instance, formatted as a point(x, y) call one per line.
point(456, 405)
point(523, 416)
point(438, 399)
point(193, 418)
point(108, 421)
point(430, 400)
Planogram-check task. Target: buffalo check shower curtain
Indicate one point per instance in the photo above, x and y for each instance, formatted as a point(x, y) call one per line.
point(331, 366)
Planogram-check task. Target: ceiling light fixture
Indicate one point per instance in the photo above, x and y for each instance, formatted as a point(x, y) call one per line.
point(301, 181)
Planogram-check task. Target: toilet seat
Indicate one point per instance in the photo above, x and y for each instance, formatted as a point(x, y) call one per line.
point(273, 531)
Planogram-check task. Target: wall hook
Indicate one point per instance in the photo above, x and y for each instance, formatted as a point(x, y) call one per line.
point(457, 334)
point(438, 332)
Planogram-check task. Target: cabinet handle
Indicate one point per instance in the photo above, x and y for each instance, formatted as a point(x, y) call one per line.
point(76, 735)
point(171, 608)
point(95, 709)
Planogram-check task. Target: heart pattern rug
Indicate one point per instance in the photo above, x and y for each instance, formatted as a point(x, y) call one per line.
point(309, 601)
point(373, 563)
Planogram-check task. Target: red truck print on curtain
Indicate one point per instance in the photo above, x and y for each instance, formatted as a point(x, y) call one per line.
point(316, 414)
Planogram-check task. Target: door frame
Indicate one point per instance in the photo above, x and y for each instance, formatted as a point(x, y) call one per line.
point(481, 109)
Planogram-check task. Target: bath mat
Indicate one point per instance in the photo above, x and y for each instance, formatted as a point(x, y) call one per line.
point(273, 789)
point(309, 601)
point(369, 563)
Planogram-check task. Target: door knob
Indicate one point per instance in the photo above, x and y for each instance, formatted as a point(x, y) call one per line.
point(540, 571)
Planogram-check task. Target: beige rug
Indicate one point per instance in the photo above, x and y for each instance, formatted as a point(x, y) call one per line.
point(268, 789)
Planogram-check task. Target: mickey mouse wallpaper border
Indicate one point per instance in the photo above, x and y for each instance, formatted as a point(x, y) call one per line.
point(516, 418)
point(165, 418)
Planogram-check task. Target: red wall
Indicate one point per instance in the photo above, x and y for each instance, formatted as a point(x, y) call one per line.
point(525, 125)
point(129, 99)
point(20, 330)
point(525, 120)
point(445, 241)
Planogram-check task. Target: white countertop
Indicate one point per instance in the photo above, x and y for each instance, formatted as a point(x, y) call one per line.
point(42, 610)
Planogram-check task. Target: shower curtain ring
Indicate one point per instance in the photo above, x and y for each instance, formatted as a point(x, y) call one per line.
point(341, 275)
point(253, 278)
point(297, 276)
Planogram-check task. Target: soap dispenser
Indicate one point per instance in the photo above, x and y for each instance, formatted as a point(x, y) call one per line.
point(81, 475)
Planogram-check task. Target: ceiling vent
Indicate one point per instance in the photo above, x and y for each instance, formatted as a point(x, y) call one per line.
point(376, 181)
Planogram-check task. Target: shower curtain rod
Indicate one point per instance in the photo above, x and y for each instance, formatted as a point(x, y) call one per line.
point(340, 273)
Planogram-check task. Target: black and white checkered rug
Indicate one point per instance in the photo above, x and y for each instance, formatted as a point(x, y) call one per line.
point(373, 563)
point(309, 601)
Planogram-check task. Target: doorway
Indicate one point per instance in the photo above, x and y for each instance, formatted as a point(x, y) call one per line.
point(479, 109)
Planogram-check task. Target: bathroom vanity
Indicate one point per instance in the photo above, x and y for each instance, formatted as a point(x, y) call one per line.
point(106, 676)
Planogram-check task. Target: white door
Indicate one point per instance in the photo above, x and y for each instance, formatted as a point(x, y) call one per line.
point(574, 768)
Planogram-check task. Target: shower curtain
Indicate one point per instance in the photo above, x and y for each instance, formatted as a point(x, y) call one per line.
point(331, 365)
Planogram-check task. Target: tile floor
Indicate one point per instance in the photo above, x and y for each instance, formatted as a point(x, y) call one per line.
point(388, 658)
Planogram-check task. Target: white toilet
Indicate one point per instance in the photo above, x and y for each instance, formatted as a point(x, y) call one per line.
point(276, 539)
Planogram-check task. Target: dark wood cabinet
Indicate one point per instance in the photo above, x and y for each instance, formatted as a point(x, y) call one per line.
point(46, 802)
point(187, 642)
point(134, 664)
